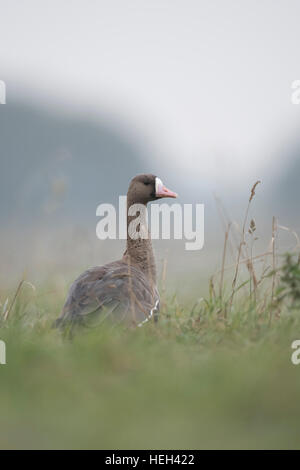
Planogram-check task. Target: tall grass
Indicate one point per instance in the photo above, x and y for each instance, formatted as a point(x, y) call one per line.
point(214, 375)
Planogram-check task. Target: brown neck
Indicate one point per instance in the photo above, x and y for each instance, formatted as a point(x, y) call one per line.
point(139, 251)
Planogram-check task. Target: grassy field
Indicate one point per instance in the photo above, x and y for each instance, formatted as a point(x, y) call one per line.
point(215, 372)
point(198, 379)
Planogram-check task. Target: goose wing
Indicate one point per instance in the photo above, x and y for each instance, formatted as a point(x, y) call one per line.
point(115, 291)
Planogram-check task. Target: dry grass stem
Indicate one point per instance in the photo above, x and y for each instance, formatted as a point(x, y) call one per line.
point(242, 243)
point(224, 259)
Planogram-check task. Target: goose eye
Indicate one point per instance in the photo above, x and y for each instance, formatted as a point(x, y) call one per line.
point(147, 183)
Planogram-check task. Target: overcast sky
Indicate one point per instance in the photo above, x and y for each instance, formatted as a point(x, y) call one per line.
point(208, 83)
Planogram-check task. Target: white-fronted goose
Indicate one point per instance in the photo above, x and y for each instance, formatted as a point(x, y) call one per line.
point(123, 290)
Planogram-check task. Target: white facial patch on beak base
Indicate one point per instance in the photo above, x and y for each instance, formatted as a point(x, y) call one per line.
point(161, 190)
point(158, 185)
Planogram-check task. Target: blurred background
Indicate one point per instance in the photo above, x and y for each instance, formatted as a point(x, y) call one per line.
point(196, 92)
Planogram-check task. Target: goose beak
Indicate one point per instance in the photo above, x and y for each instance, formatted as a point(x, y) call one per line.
point(162, 191)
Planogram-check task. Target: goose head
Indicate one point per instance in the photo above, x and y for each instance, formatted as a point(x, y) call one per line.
point(146, 187)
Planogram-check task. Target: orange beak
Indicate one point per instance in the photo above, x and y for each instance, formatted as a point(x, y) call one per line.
point(162, 191)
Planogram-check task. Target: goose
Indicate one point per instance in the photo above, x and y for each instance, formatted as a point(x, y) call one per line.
point(124, 291)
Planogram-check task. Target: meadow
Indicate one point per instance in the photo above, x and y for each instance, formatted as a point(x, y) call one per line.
point(214, 372)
